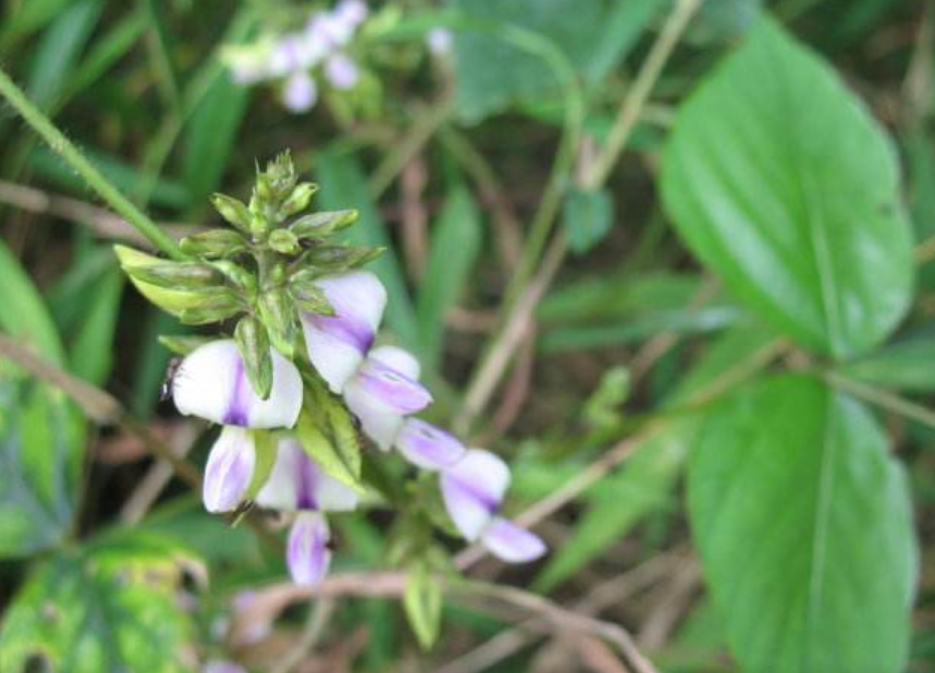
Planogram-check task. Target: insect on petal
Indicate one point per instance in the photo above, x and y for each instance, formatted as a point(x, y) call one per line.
point(229, 469)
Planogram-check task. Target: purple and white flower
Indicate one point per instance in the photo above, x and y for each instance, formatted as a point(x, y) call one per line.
point(439, 41)
point(338, 344)
point(383, 391)
point(229, 470)
point(212, 383)
point(473, 490)
point(299, 93)
point(298, 484)
point(427, 446)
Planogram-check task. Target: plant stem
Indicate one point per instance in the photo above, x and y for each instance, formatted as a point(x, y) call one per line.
point(881, 398)
point(62, 146)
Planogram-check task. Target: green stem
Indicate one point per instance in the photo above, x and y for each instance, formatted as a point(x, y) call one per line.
point(881, 398)
point(72, 155)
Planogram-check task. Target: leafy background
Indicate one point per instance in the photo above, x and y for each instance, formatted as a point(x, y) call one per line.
point(723, 387)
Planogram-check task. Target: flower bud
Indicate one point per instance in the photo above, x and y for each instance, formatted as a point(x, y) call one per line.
point(309, 297)
point(214, 244)
point(340, 258)
point(172, 300)
point(253, 346)
point(278, 313)
point(299, 199)
point(284, 241)
point(233, 211)
point(241, 278)
point(211, 307)
point(323, 224)
point(178, 275)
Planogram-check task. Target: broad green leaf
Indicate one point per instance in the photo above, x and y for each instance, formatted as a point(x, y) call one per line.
point(41, 440)
point(344, 185)
point(493, 74)
point(111, 606)
point(804, 526)
point(642, 486)
point(22, 311)
point(210, 135)
point(780, 181)
point(587, 218)
point(907, 365)
point(455, 243)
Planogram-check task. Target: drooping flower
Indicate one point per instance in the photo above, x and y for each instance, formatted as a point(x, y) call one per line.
point(473, 490)
point(383, 391)
point(229, 469)
point(341, 71)
point(299, 93)
point(338, 344)
point(298, 484)
point(427, 446)
point(212, 383)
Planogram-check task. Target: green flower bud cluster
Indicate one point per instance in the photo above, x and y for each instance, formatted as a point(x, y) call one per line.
point(259, 272)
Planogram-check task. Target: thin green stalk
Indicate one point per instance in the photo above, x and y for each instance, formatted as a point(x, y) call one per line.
point(881, 398)
point(62, 146)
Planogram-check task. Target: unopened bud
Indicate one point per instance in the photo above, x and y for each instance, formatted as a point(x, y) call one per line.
point(232, 210)
point(214, 244)
point(323, 224)
point(299, 199)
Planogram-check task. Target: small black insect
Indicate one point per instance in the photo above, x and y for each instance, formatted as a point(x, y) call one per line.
point(165, 392)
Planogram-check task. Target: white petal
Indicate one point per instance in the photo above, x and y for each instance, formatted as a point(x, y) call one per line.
point(307, 553)
point(211, 383)
point(473, 490)
point(399, 359)
point(427, 446)
point(337, 344)
point(229, 470)
point(380, 423)
point(511, 543)
point(297, 482)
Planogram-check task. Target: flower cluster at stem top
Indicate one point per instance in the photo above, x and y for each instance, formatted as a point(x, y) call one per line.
point(301, 366)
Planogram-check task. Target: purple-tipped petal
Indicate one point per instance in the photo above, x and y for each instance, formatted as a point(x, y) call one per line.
point(337, 344)
point(427, 446)
point(307, 553)
point(473, 489)
point(299, 93)
point(297, 482)
point(512, 543)
point(229, 470)
point(212, 383)
point(380, 407)
point(341, 71)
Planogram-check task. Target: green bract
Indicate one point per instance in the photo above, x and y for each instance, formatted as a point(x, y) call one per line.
point(260, 272)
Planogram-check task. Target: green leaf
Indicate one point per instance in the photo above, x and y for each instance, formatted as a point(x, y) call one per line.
point(780, 181)
point(908, 365)
point(266, 445)
point(56, 55)
point(210, 134)
point(22, 311)
point(422, 601)
point(492, 74)
point(344, 185)
point(587, 218)
point(804, 526)
point(41, 442)
point(455, 243)
point(111, 606)
point(327, 432)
